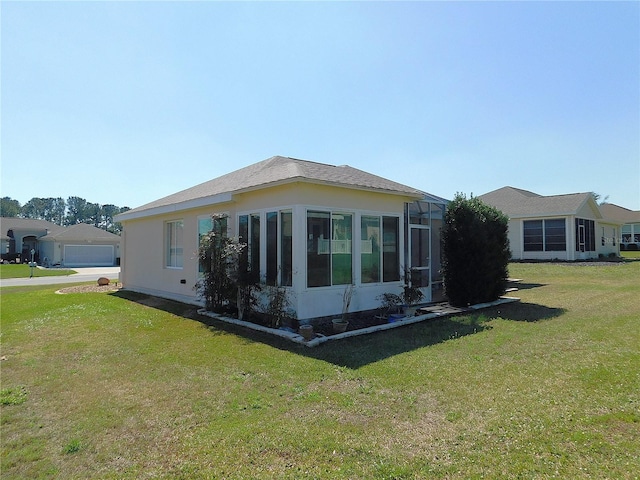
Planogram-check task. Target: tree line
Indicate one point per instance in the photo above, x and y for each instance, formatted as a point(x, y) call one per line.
point(70, 212)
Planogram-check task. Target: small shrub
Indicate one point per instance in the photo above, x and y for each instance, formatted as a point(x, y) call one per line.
point(278, 309)
point(73, 446)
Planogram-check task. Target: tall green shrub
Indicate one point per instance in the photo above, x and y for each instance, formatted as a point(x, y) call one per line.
point(475, 251)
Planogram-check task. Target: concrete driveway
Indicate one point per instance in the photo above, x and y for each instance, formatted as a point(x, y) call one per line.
point(85, 274)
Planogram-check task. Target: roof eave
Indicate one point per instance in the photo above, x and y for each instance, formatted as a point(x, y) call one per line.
point(174, 207)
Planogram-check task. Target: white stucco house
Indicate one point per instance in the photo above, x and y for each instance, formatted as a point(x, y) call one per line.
point(80, 245)
point(555, 227)
point(311, 227)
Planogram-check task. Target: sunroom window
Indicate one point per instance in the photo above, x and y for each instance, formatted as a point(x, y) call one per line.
point(249, 233)
point(208, 224)
point(329, 248)
point(279, 248)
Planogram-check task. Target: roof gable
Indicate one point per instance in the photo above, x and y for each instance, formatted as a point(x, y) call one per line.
point(276, 171)
point(521, 203)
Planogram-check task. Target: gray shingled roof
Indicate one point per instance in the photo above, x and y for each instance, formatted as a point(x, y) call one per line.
point(279, 170)
point(620, 214)
point(13, 223)
point(82, 231)
point(521, 203)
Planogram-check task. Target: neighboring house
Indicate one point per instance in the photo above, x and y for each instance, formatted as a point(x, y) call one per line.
point(630, 231)
point(311, 227)
point(563, 227)
point(80, 245)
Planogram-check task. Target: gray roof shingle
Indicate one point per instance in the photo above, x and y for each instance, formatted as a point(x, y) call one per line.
point(14, 223)
point(82, 231)
point(620, 214)
point(279, 170)
point(515, 202)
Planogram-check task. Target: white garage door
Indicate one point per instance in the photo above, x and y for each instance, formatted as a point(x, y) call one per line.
point(88, 255)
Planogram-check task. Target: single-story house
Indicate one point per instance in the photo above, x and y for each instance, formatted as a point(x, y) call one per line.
point(630, 219)
point(555, 227)
point(80, 245)
point(311, 227)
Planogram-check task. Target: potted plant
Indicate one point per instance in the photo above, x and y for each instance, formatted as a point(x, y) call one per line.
point(340, 324)
point(411, 294)
point(389, 304)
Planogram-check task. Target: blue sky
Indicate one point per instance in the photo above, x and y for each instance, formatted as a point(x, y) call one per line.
point(127, 102)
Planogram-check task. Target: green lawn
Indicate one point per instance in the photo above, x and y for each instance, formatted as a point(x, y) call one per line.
point(632, 255)
point(23, 270)
point(125, 386)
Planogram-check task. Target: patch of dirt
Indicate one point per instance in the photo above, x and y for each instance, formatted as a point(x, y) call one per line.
point(90, 289)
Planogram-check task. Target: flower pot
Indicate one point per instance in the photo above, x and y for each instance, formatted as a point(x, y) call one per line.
point(410, 310)
point(306, 331)
point(339, 325)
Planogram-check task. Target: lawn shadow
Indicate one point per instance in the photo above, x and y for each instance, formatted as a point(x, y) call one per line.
point(528, 286)
point(358, 351)
point(524, 312)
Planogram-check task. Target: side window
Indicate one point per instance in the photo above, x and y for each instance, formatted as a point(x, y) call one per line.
point(279, 248)
point(533, 235)
point(249, 232)
point(173, 244)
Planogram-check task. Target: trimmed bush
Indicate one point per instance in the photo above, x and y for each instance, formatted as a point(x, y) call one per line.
point(475, 251)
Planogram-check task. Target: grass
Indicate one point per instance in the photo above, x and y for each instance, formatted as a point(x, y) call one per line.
point(128, 386)
point(23, 270)
point(631, 255)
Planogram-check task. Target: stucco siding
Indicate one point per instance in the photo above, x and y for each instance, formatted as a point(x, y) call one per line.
point(514, 234)
point(144, 270)
point(587, 212)
point(609, 234)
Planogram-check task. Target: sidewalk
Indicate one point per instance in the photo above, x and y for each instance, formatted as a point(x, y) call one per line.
point(85, 274)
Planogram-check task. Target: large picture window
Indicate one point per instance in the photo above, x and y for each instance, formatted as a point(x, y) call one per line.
point(173, 245)
point(545, 235)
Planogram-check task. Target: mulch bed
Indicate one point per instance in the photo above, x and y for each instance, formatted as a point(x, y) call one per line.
point(90, 289)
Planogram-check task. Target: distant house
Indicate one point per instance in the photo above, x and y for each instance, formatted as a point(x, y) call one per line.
point(313, 228)
point(78, 245)
point(562, 227)
point(630, 231)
